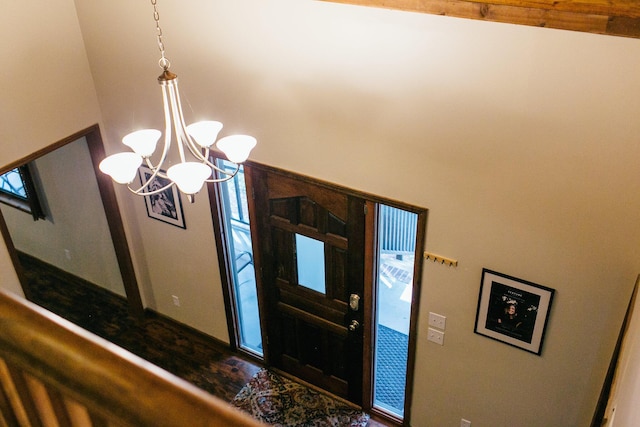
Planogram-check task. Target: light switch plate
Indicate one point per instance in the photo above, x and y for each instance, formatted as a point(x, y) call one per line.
point(437, 321)
point(435, 336)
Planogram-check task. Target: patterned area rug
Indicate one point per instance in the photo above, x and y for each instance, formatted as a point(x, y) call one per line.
point(278, 401)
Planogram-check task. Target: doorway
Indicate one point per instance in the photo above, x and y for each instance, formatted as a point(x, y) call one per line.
point(310, 249)
point(337, 280)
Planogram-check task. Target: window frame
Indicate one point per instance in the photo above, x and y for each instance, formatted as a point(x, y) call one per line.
point(31, 204)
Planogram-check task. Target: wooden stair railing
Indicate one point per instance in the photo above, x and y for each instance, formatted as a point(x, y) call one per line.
point(53, 373)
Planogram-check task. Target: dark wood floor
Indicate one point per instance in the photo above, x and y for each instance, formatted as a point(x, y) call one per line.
point(187, 353)
point(179, 349)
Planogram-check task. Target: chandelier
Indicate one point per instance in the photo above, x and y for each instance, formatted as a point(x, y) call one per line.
point(195, 140)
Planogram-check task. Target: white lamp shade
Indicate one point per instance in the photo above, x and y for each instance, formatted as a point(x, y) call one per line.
point(205, 133)
point(143, 142)
point(237, 147)
point(189, 176)
point(122, 167)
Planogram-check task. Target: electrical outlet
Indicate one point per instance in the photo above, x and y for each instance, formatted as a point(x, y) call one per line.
point(465, 423)
point(435, 336)
point(67, 254)
point(176, 300)
point(437, 321)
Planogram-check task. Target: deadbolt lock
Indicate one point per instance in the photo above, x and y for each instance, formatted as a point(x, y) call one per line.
point(354, 302)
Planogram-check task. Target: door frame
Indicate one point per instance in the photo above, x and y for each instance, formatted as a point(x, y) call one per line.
point(371, 201)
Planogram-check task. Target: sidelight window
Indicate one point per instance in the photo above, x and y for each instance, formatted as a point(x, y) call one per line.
point(237, 229)
point(397, 230)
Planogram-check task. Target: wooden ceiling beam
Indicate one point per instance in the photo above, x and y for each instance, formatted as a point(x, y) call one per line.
point(610, 17)
point(628, 8)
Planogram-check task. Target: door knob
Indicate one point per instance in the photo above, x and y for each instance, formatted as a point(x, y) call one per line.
point(354, 325)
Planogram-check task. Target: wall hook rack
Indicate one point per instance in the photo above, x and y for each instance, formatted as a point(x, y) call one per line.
point(442, 260)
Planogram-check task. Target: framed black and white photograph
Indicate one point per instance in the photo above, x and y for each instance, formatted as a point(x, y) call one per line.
point(513, 311)
point(166, 205)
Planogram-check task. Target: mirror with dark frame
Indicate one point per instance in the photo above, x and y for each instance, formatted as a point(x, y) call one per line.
point(82, 232)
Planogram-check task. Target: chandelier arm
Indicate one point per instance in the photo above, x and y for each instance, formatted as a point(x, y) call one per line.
point(167, 127)
point(156, 170)
point(156, 173)
point(193, 148)
point(174, 98)
point(229, 175)
point(216, 168)
point(167, 143)
point(216, 180)
point(206, 157)
point(140, 192)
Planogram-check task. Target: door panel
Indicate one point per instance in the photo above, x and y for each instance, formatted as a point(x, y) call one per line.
point(308, 330)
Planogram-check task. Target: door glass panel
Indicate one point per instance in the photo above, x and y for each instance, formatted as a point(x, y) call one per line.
point(236, 223)
point(310, 259)
point(396, 252)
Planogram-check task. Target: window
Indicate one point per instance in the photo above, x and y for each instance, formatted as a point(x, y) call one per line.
point(12, 183)
point(397, 231)
point(17, 189)
point(235, 217)
point(310, 261)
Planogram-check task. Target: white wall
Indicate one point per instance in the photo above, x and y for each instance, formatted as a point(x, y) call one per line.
point(522, 142)
point(48, 91)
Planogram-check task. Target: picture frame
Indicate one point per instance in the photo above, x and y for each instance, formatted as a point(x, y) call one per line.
point(513, 311)
point(165, 206)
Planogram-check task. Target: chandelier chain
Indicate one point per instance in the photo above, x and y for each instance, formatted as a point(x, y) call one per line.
point(163, 62)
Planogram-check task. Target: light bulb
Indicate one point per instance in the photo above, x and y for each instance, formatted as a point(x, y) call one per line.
point(205, 132)
point(122, 167)
point(189, 176)
point(143, 142)
point(237, 147)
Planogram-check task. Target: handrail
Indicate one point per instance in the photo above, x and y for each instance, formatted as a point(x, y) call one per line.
point(114, 386)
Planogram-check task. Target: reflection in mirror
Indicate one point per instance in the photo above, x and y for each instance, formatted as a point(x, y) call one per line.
point(75, 235)
point(17, 189)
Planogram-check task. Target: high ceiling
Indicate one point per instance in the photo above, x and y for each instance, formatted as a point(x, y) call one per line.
point(610, 17)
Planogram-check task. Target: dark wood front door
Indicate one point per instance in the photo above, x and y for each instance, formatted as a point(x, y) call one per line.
point(311, 255)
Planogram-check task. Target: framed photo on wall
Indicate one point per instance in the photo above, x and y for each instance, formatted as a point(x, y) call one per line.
point(166, 205)
point(513, 311)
